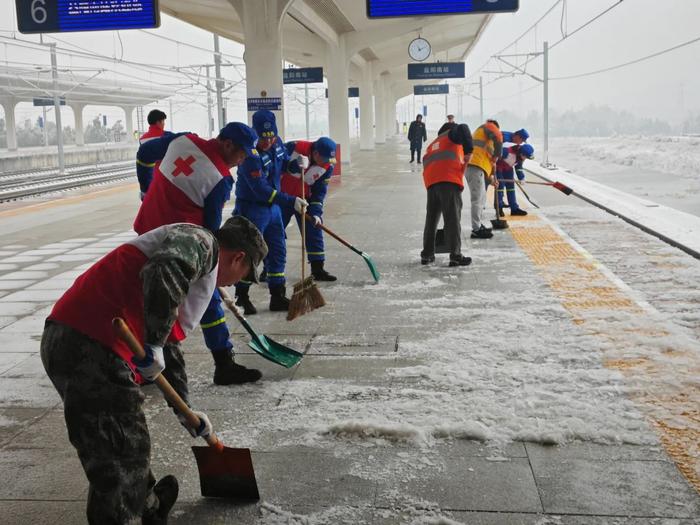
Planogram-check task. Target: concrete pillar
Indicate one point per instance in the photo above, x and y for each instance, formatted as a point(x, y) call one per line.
point(79, 128)
point(366, 108)
point(261, 22)
point(380, 109)
point(129, 122)
point(337, 64)
point(10, 124)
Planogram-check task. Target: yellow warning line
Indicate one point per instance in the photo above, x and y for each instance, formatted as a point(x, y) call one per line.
point(587, 293)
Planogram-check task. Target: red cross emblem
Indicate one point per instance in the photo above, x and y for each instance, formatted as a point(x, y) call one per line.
point(184, 166)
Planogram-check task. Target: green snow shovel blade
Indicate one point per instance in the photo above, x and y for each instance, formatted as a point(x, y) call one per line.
point(366, 257)
point(261, 344)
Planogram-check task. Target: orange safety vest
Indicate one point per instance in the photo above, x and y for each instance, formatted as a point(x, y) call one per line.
point(487, 140)
point(443, 162)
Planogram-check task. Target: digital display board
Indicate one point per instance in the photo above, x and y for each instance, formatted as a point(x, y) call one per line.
point(435, 70)
point(395, 8)
point(58, 16)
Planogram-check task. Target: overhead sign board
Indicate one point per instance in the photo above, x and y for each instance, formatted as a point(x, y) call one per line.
point(436, 89)
point(396, 8)
point(269, 103)
point(353, 92)
point(47, 101)
point(436, 70)
point(302, 75)
point(58, 16)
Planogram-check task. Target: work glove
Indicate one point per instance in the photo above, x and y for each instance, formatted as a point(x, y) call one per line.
point(300, 204)
point(204, 428)
point(153, 364)
point(293, 166)
point(317, 221)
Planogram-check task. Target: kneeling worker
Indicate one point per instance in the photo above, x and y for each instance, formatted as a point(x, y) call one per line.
point(160, 283)
point(444, 165)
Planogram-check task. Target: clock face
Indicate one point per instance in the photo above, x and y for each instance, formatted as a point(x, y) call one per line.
point(419, 49)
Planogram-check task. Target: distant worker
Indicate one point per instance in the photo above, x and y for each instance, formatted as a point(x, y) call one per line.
point(446, 160)
point(259, 199)
point(488, 145)
point(156, 129)
point(191, 184)
point(416, 136)
point(320, 156)
point(447, 125)
point(159, 283)
point(512, 160)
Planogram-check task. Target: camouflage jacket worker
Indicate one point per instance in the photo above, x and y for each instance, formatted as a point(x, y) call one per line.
point(159, 283)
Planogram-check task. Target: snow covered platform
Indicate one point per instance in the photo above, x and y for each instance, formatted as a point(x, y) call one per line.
point(553, 381)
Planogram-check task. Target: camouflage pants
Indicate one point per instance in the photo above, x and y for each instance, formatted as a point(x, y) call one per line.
point(106, 424)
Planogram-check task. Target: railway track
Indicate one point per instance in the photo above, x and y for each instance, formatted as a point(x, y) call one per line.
point(18, 185)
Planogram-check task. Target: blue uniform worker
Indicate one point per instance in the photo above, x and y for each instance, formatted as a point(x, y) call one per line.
point(512, 161)
point(144, 166)
point(321, 155)
point(259, 199)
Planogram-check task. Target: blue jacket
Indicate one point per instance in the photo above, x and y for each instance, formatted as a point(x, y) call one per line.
point(259, 178)
point(314, 192)
point(148, 154)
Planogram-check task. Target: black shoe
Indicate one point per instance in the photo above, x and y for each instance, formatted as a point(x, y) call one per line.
point(427, 260)
point(278, 299)
point(166, 490)
point(227, 372)
point(482, 233)
point(243, 301)
point(518, 211)
point(319, 273)
point(501, 213)
point(462, 261)
point(410, 161)
point(419, 162)
point(262, 277)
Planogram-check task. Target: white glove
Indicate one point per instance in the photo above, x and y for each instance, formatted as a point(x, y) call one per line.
point(153, 364)
point(317, 221)
point(300, 204)
point(204, 428)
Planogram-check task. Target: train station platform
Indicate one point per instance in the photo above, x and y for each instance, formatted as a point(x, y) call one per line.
point(553, 381)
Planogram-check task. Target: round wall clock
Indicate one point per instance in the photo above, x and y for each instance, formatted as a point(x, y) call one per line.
point(419, 49)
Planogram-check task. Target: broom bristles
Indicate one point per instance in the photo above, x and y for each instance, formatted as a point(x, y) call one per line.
point(305, 298)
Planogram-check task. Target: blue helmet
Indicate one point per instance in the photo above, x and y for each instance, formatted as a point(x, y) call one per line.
point(526, 150)
point(523, 134)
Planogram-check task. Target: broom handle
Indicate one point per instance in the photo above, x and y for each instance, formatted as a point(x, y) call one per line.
point(169, 393)
point(336, 236)
point(303, 232)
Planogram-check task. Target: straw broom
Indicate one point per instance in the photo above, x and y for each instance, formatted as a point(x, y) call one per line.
point(306, 296)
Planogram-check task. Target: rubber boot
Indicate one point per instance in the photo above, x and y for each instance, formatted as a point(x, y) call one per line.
point(166, 490)
point(227, 372)
point(319, 273)
point(278, 299)
point(243, 301)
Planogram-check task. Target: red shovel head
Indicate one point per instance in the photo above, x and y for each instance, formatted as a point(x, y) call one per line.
point(227, 474)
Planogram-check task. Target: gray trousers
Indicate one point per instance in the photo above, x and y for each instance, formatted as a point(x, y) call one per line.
point(103, 408)
point(443, 198)
point(476, 181)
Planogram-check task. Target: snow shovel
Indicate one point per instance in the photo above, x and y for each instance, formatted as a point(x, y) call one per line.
point(520, 185)
point(223, 472)
point(263, 345)
point(498, 223)
point(367, 258)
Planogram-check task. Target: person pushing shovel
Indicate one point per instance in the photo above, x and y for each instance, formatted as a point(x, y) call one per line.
point(160, 283)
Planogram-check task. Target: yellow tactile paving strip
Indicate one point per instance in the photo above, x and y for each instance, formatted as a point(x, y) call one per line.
point(586, 292)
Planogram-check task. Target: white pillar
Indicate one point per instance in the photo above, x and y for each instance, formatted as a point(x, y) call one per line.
point(129, 122)
point(261, 22)
point(79, 128)
point(10, 124)
point(337, 65)
point(380, 108)
point(366, 108)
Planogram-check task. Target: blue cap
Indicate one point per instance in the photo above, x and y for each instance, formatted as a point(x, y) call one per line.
point(265, 124)
point(522, 133)
point(326, 148)
point(526, 150)
point(240, 134)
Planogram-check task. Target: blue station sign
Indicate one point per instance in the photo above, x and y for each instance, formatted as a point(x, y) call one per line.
point(436, 70)
point(47, 101)
point(302, 75)
point(269, 103)
point(396, 8)
point(436, 89)
point(353, 92)
point(58, 16)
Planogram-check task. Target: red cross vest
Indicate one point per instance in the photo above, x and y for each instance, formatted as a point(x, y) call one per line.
point(189, 171)
point(290, 183)
point(113, 287)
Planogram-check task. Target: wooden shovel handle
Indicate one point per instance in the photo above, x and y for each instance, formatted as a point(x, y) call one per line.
point(124, 333)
